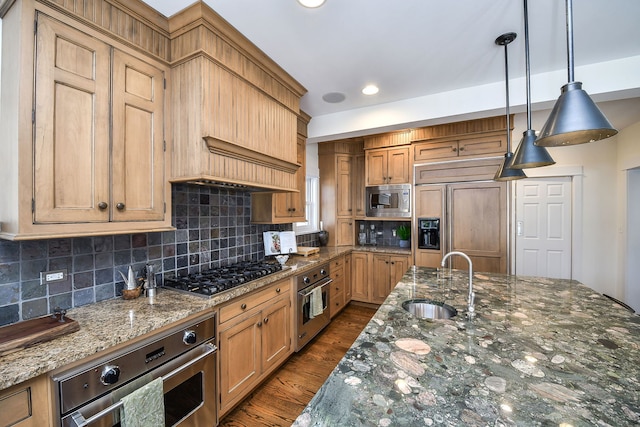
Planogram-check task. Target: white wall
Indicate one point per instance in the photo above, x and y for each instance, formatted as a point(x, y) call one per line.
point(627, 163)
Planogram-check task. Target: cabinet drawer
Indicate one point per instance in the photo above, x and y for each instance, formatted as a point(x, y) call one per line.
point(248, 303)
point(337, 263)
point(337, 274)
point(337, 303)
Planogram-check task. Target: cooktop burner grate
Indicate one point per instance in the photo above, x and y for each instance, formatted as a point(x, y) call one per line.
point(215, 280)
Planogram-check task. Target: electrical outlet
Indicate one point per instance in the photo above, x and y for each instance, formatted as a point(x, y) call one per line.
point(52, 276)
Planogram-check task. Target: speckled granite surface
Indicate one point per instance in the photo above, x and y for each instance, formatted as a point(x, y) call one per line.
point(109, 323)
point(540, 352)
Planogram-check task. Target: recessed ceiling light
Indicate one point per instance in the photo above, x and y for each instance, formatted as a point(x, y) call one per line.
point(370, 90)
point(311, 3)
point(333, 97)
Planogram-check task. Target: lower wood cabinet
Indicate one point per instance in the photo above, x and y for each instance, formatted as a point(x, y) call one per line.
point(254, 339)
point(340, 289)
point(27, 404)
point(374, 275)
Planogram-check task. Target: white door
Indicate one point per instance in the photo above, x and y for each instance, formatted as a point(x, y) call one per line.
point(543, 227)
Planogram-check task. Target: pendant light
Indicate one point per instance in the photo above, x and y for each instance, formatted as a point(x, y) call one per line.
point(505, 171)
point(528, 155)
point(575, 119)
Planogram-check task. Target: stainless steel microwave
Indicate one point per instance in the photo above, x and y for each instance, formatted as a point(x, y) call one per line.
point(392, 201)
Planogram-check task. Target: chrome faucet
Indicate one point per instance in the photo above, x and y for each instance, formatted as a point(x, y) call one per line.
point(472, 296)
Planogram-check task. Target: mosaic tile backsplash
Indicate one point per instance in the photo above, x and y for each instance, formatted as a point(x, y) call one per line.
point(213, 228)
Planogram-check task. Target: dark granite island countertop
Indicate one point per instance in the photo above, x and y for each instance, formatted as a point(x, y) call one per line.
point(539, 352)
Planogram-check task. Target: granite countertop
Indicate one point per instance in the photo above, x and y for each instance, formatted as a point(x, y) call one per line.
point(539, 352)
point(106, 324)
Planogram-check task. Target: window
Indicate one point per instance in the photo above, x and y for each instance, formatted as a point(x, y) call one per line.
point(312, 205)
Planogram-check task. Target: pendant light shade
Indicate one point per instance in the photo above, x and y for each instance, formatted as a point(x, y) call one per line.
point(575, 119)
point(527, 154)
point(505, 171)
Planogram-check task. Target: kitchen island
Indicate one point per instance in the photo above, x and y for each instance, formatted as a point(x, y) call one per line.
point(538, 352)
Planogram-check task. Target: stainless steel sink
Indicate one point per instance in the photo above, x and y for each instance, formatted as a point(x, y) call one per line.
point(428, 309)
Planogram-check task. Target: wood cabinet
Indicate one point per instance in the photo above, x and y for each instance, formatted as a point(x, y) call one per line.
point(388, 166)
point(453, 149)
point(93, 159)
point(358, 180)
point(473, 219)
point(27, 404)
point(285, 207)
point(374, 275)
point(387, 270)
point(339, 296)
point(360, 276)
point(254, 339)
point(336, 164)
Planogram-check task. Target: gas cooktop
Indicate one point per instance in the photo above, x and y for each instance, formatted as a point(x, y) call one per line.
point(210, 282)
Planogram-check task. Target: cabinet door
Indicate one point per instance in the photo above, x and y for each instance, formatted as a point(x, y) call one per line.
point(298, 201)
point(398, 170)
point(429, 201)
point(343, 186)
point(380, 278)
point(376, 167)
point(138, 139)
point(358, 186)
point(399, 264)
point(483, 146)
point(27, 404)
point(344, 232)
point(359, 276)
point(71, 141)
point(430, 151)
point(478, 225)
point(240, 350)
point(347, 278)
point(276, 333)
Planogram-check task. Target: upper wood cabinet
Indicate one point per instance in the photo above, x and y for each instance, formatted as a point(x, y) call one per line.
point(285, 207)
point(388, 166)
point(336, 164)
point(358, 193)
point(86, 127)
point(235, 110)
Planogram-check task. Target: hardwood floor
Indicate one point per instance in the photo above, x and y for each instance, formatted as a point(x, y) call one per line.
point(283, 396)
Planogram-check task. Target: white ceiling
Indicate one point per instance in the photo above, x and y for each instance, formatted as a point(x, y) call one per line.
point(417, 50)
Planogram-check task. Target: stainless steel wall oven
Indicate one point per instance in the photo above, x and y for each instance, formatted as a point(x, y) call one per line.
point(184, 357)
point(310, 317)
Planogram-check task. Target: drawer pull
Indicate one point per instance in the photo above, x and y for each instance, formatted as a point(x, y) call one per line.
point(277, 290)
point(243, 306)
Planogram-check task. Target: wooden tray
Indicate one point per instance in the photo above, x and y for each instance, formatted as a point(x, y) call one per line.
point(24, 334)
point(307, 250)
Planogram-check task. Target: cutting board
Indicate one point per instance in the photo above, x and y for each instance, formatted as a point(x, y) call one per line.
point(307, 250)
point(24, 334)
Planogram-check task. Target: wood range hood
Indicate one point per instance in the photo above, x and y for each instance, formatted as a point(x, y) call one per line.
point(235, 111)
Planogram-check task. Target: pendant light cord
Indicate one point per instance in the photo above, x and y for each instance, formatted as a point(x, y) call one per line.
point(527, 63)
point(570, 40)
point(506, 76)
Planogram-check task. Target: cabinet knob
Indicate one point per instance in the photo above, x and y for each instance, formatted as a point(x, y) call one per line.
point(454, 149)
point(266, 320)
point(243, 306)
point(102, 206)
point(120, 206)
point(461, 148)
point(259, 324)
point(278, 290)
point(293, 209)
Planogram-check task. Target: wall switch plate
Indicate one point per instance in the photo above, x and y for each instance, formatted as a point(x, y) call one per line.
point(52, 276)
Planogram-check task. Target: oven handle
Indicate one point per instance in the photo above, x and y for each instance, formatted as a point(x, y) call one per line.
point(78, 420)
point(304, 294)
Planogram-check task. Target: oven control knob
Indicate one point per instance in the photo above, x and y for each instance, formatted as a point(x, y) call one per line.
point(110, 374)
point(189, 337)
point(306, 280)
